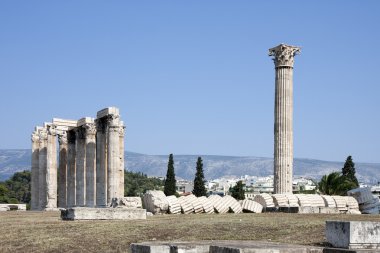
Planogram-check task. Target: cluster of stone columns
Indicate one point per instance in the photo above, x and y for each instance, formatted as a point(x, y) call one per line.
point(89, 168)
point(283, 57)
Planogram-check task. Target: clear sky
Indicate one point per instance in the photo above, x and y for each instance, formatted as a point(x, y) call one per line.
point(194, 77)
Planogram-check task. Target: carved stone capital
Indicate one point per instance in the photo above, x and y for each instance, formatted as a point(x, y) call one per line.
point(283, 55)
point(80, 133)
point(52, 130)
point(43, 134)
point(62, 138)
point(90, 128)
point(35, 137)
point(113, 120)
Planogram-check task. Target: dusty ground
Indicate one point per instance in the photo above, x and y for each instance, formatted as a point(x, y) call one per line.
point(45, 232)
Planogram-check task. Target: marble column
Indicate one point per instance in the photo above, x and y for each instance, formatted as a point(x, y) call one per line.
point(283, 57)
point(71, 184)
point(62, 170)
point(80, 165)
point(90, 164)
point(34, 202)
point(51, 172)
point(101, 162)
point(113, 158)
point(121, 170)
point(42, 162)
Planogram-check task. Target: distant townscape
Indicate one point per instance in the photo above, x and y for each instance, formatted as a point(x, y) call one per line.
point(215, 167)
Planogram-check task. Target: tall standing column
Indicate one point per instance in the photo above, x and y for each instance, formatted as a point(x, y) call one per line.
point(34, 202)
point(121, 170)
point(71, 168)
point(80, 166)
point(113, 158)
point(51, 176)
point(90, 164)
point(62, 170)
point(283, 56)
point(42, 162)
point(101, 162)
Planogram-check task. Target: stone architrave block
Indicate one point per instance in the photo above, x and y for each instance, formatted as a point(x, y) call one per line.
point(292, 200)
point(329, 201)
point(233, 204)
point(362, 195)
point(308, 209)
point(353, 234)
point(174, 205)
point(186, 206)
point(131, 202)
point(280, 200)
point(265, 200)
point(92, 213)
point(252, 206)
point(155, 202)
point(206, 204)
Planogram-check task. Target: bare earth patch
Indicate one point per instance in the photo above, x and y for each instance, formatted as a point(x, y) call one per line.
point(46, 232)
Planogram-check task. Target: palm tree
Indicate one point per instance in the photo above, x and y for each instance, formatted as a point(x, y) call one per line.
point(335, 184)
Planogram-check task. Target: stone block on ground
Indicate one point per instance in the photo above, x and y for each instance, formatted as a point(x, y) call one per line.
point(219, 204)
point(362, 195)
point(280, 200)
point(131, 202)
point(186, 206)
point(197, 204)
point(341, 203)
point(174, 205)
point(233, 204)
point(265, 200)
point(251, 206)
point(292, 199)
point(353, 234)
point(206, 204)
point(91, 213)
point(12, 207)
point(155, 202)
point(329, 201)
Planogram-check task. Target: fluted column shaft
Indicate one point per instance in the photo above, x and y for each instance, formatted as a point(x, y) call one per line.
point(62, 170)
point(90, 164)
point(42, 162)
point(34, 202)
point(80, 166)
point(121, 170)
point(71, 175)
point(51, 176)
point(283, 56)
point(101, 162)
point(113, 159)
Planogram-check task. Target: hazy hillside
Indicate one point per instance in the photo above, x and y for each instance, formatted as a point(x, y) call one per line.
point(214, 166)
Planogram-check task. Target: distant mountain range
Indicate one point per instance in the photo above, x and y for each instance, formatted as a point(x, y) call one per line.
point(13, 160)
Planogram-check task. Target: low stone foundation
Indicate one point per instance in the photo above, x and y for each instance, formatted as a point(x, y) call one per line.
point(86, 213)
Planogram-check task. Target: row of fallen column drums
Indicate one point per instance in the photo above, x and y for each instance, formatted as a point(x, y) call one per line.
point(156, 202)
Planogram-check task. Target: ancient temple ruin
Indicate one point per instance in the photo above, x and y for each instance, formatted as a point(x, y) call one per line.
point(78, 163)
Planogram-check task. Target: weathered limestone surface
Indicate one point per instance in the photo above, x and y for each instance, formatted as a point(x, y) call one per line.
point(186, 206)
point(265, 200)
point(121, 155)
point(71, 174)
point(219, 204)
point(283, 57)
point(62, 170)
point(368, 203)
point(34, 203)
point(155, 202)
point(195, 202)
point(86, 213)
point(280, 200)
point(90, 143)
point(252, 206)
point(131, 202)
point(113, 158)
point(206, 204)
point(329, 201)
point(232, 204)
point(80, 165)
point(292, 199)
point(353, 234)
point(101, 162)
point(9, 207)
point(174, 205)
point(42, 161)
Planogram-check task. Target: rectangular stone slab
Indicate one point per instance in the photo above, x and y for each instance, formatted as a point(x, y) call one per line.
point(85, 213)
point(353, 234)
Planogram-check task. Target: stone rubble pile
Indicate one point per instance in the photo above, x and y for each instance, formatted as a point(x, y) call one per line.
point(130, 202)
point(157, 203)
point(368, 203)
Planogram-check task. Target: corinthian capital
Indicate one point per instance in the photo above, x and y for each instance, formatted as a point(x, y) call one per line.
point(283, 55)
point(35, 137)
point(52, 130)
point(113, 120)
point(62, 138)
point(43, 135)
point(90, 128)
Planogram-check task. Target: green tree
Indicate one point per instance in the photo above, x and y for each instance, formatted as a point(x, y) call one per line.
point(170, 182)
point(137, 183)
point(349, 171)
point(16, 189)
point(335, 184)
point(199, 180)
point(238, 191)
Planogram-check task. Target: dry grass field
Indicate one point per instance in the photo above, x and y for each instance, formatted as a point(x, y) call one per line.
point(46, 232)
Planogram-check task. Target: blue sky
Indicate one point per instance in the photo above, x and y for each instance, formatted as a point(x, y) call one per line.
point(194, 77)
